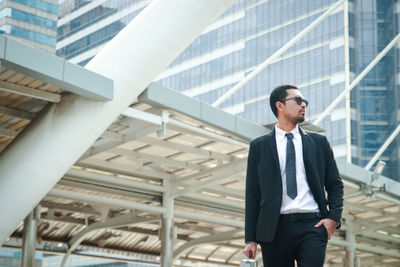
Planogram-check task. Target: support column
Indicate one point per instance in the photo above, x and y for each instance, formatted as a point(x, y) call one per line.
point(167, 226)
point(347, 79)
point(29, 239)
point(63, 132)
point(350, 237)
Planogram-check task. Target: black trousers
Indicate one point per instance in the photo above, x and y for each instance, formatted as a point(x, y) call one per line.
point(297, 239)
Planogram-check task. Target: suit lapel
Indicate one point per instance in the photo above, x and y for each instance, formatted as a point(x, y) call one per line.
point(306, 145)
point(308, 158)
point(272, 146)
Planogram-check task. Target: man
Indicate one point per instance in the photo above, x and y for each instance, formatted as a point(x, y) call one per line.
point(288, 172)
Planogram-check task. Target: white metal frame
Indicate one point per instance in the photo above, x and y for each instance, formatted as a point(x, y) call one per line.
point(274, 56)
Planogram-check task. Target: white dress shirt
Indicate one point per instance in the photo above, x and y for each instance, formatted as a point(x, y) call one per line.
point(304, 201)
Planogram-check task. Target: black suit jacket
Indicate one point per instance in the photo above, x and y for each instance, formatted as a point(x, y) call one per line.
point(264, 183)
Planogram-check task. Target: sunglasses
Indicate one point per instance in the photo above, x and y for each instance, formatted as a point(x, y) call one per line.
point(298, 99)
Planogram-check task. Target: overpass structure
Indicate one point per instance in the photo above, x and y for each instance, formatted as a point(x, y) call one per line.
point(162, 181)
point(171, 154)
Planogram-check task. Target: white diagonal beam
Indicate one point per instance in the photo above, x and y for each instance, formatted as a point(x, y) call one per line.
point(329, 109)
point(132, 59)
point(274, 56)
point(383, 148)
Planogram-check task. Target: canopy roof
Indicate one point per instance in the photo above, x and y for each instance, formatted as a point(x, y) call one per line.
point(30, 79)
point(111, 200)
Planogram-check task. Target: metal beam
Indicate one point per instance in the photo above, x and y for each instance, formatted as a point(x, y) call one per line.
point(220, 202)
point(215, 178)
point(8, 133)
point(187, 149)
point(119, 139)
point(229, 235)
point(350, 238)
point(15, 113)
point(375, 61)
point(29, 239)
point(116, 258)
point(277, 54)
point(127, 219)
point(238, 163)
point(137, 206)
point(111, 202)
point(209, 219)
point(133, 155)
point(368, 227)
point(69, 208)
point(370, 249)
point(382, 149)
point(119, 168)
point(182, 126)
point(111, 180)
point(29, 92)
point(167, 225)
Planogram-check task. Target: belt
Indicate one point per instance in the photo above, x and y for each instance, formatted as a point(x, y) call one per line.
point(293, 217)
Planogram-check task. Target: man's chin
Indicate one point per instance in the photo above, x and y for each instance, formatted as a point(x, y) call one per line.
point(301, 119)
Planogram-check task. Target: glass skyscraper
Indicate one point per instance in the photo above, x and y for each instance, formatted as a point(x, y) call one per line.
point(32, 22)
point(249, 33)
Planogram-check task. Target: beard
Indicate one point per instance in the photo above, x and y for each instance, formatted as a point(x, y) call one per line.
point(300, 119)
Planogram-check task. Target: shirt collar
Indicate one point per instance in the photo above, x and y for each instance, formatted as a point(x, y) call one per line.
point(281, 134)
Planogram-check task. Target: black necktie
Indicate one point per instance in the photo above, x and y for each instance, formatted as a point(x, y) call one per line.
point(291, 184)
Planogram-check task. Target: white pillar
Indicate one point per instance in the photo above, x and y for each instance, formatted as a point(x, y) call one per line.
point(167, 226)
point(347, 79)
point(55, 141)
point(350, 237)
point(29, 240)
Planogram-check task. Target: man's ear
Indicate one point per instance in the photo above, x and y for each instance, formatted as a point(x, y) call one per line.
point(279, 106)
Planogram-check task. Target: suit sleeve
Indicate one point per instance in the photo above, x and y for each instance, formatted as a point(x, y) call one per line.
point(333, 186)
point(252, 195)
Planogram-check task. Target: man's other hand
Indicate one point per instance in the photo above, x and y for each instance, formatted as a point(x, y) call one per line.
point(251, 246)
point(329, 224)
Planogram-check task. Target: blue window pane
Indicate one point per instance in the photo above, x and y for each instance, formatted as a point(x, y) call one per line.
point(34, 36)
point(42, 5)
point(30, 18)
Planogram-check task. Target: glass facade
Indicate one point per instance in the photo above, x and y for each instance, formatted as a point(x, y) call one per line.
point(250, 32)
point(376, 97)
point(38, 4)
point(32, 20)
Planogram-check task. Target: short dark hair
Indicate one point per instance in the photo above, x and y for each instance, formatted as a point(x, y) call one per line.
point(278, 94)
